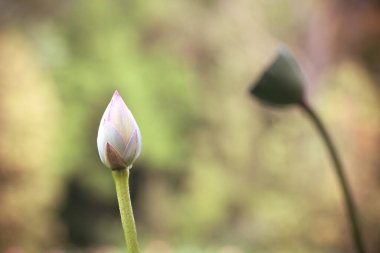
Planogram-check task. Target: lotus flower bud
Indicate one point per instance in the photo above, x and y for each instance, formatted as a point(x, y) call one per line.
point(119, 138)
point(282, 83)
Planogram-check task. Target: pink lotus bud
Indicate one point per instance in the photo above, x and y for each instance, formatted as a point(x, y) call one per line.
point(119, 138)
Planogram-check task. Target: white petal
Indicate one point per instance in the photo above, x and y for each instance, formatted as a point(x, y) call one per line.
point(120, 117)
point(108, 134)
point(133, 148)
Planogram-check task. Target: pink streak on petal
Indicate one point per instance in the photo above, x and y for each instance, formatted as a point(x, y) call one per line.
point(113, 104)
point(130, 142)
point(133, 148)
point(121, 117)
point(117, 105)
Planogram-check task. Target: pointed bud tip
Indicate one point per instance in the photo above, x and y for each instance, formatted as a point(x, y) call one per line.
point(116, 94)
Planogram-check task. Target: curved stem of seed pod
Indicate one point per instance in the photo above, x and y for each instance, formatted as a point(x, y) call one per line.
point(122, 190)
point(349, 201)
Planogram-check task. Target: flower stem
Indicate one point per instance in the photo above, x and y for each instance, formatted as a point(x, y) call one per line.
point(349, 201)
point(122, 190)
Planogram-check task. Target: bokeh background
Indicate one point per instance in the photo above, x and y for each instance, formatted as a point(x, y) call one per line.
point(218, 172)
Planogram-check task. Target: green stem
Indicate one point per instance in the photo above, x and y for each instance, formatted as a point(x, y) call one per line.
point(349, 201)
point(122, 190)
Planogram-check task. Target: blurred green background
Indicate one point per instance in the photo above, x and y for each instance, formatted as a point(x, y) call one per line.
point(218, 172)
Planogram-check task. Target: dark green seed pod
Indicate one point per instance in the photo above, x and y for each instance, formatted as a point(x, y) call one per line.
point(282, 83)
